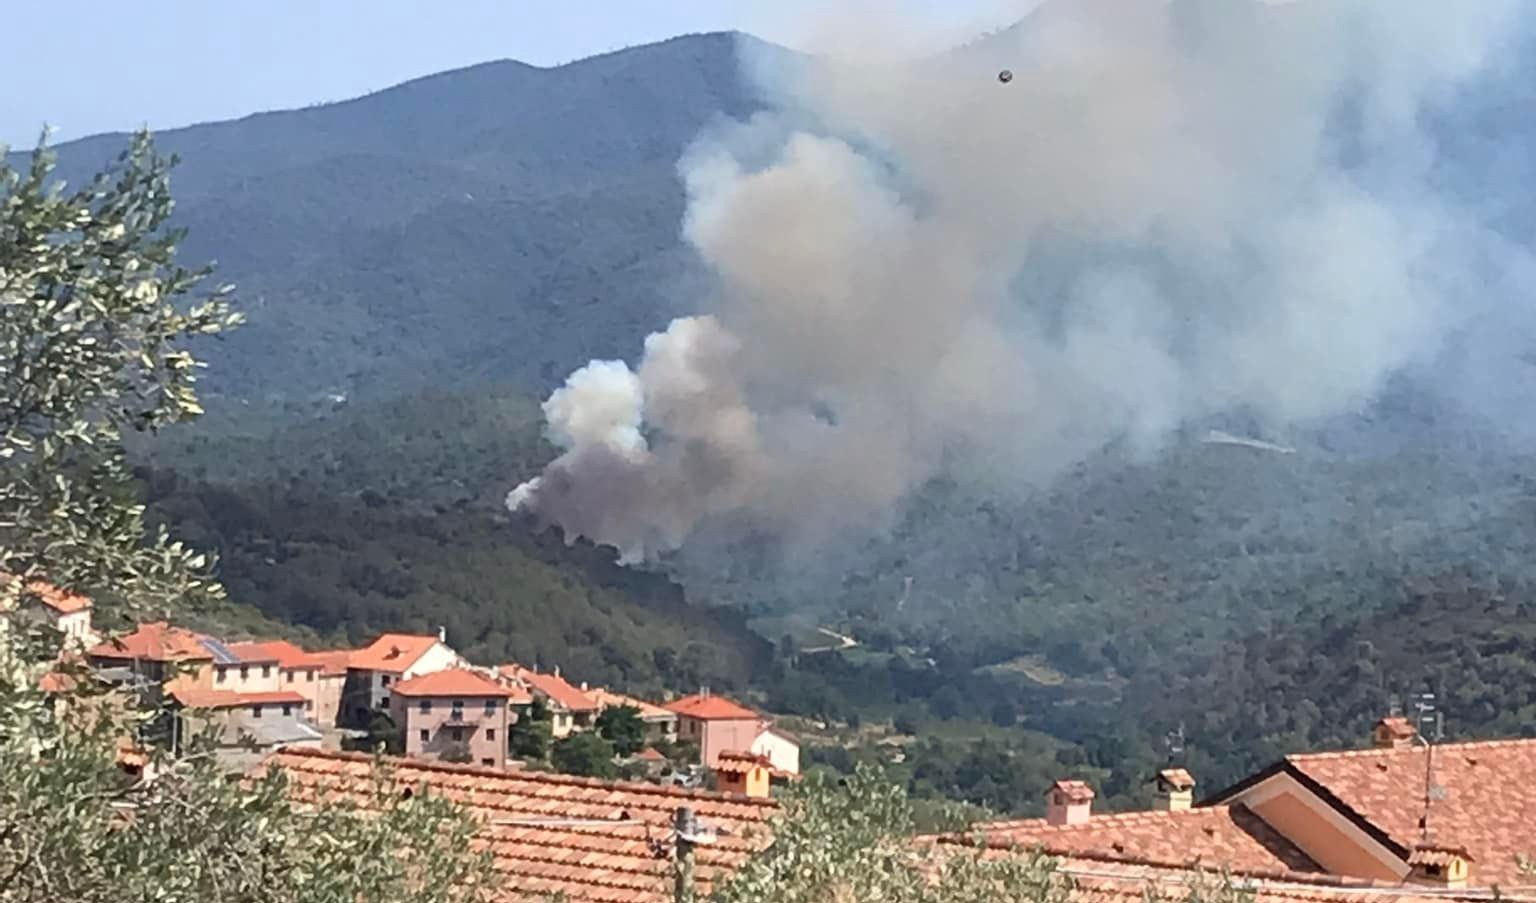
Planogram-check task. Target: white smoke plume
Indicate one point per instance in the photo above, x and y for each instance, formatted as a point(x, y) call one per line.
point(1176, 208)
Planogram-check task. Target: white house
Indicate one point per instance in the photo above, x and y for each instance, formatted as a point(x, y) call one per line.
point(781, 750)
point(388, 660)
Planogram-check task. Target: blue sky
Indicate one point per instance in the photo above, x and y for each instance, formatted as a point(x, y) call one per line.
point(87, 66)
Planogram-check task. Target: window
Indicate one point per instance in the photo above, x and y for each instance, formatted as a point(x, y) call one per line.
point(426, 705)
point(309, 676)
point(458, 708)
point(220, 674)
point(266, 670)
point(490, 706)
point(384, 680)
point(290, 677)
point(490, 733)
point(287, 709)
point(424, 735)
point(309, 704)
point(245, 672)
point(255, 711)
point(488, 762)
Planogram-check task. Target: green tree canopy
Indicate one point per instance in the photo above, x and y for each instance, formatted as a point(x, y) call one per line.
point(621, 726)
point(94, 314)
point(584, 754)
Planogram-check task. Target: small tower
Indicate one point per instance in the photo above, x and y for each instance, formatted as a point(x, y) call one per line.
point(1175, 790)
point(1440, 865)
point(743, 773)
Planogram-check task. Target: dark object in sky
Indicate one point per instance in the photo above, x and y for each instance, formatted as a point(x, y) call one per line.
point(1005, 76)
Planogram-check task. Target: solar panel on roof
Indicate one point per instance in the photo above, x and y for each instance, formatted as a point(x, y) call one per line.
point(221, 653)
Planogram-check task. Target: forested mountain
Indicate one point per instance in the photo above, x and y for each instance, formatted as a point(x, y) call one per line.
point(420, 265)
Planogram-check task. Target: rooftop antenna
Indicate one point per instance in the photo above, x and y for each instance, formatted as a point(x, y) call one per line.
point(1174, 741)
point(1431, 730)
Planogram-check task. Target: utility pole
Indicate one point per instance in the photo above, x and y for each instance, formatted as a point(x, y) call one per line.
point(685, 830)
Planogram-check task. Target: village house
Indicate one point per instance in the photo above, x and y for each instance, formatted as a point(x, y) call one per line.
point(331, 686)
point(571, 709)
point(454, 715)
point(390, 659)
point(243, 726)
point(162, 656)
point(718, 725)
point(744, 774)
point(660, 724)
point(66, 612)
point(293, 670)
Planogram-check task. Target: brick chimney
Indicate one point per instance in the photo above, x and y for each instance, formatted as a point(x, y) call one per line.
point(1068, 803)
point(1393, 733)
point(1439, 865)
point(1175, 790)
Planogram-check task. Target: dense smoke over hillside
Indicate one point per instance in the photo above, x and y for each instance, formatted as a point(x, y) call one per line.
point(1174, 209)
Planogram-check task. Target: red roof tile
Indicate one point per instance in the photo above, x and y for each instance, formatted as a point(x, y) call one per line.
point(333, 662)
point(709, 707)
point(452, 682)
point(1074, 791)
point(230, 699)
point(392, 652)
point(558, 835)
point(552, 687)
point(284, 653)
point(157, 642)
point(1176, 779)
point(1488, 805)
point(1101, 881)
point(606, 699)
point(650, 754)
point(741, 762)
point(1214, 837)
point(60, 600)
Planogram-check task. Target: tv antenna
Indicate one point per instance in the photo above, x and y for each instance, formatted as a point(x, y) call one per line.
point(1174, 741)
point(1431, 730)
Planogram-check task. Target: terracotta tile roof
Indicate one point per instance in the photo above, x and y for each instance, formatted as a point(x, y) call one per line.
point(649, 711)
point(709, 708)
point(284, 653)
point(1429, 854)
point(60, 600)
point(650, 754)
point(157, 642)
point(555, 834)
point(333, 662)
point(1099, 881)
point(230, 699)
point(741, 762)
point(1489, 802)
point(1074, 791)
point(1214, 837)
point(452, 682)
point(1400, 728)
point(1176, 779)
point(392, 652)
point(552, 687)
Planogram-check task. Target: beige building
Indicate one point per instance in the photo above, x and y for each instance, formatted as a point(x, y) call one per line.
point(571, 708)
point(388, 660)
point(292, 670)
point(454, 715)
point(660, 724)
point(244, 727)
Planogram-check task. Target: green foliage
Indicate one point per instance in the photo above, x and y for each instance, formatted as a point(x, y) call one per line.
point(91, 332)
point(94, 317)
point(530, 735)
point(584, 754)
point(622, 727)
point(853, 843)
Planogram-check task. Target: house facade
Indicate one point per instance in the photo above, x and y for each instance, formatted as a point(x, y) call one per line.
point(388, 660)
point(66, 612)
point(780, 749)
point(715, 724)
point(454, 715)
point(571, 708)
point(293, 670)
point(660, 724)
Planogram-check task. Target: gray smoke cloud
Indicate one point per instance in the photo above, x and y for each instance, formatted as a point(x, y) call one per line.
point(1173, 210)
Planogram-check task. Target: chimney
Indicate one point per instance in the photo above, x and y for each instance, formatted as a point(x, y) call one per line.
point(1175, 790)
point(1068, 803)
point(442, 635)
point(583, 686)
point(1440, 865)
point(1394, 733)
point(557, 670)
point(704, 692)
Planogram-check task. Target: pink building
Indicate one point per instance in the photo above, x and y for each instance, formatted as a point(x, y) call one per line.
point(716, 724)
point(453, 715)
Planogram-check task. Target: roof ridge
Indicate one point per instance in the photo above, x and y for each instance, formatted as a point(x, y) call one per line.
point(1439, 747)
point(1110, 819)
point(544, 777)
